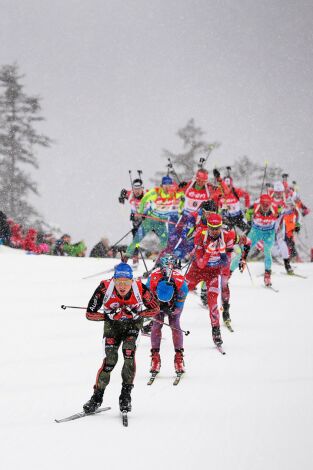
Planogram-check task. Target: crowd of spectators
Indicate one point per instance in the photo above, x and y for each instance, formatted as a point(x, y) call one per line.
point(35, 241)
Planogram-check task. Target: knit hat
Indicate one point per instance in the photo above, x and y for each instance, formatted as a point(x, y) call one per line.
point(164, 291)
point(167, 180)
point(123, 270)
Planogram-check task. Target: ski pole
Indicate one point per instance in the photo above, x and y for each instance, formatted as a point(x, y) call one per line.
point(248, 269)
point(64, 307)
point(265, 170)
point(186, 333)
point(130, 177)
point(141, 254)
point(140, 175)
point(98, 274)
point(121, 238)
point(164, 221)
point(170, 168)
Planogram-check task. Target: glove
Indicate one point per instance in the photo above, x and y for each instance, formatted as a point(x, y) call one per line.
point(182, 184)
point(242, 265)
point(216, 173)
point(123, 196)
point(297, 228)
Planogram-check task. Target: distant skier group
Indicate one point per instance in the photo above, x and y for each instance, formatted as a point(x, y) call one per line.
point(212, 227)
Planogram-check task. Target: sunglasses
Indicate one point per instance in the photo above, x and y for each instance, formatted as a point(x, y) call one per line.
point(122, 282)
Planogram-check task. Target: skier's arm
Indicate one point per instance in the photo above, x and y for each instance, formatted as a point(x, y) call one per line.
point(123, 195)
point(149, 196)
point(150, 302)
point(180, 299)
point(95, 304)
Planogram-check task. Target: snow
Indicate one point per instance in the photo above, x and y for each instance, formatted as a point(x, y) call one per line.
point(249, 409)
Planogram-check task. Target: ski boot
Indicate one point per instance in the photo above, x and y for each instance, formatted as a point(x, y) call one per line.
point(204, 295)
point(155, 361)
point(226, 316)
point(125, 398)
point(146, 329)
point(179, 361)
point(216, 335)
point(95, 401)
point(267, 278)
point(288, 267)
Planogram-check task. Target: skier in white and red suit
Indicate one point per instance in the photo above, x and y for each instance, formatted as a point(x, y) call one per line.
point(230, 203)
point(209, 259)
point(232, 238)
point(197, 191)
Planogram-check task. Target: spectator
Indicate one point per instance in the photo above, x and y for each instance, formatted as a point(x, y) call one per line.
point(58, 249)
point(77, 249)
point(102, 249)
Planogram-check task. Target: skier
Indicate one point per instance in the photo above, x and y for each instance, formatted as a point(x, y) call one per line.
point(209, 257)
point(230, 204)
point(134, 198)
point(158, 207)
point(232, 239)
point(123, 300)
point(171, 290)
point(263, 216)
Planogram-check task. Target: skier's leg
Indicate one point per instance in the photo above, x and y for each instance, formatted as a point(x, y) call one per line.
point(177, 334)
point(112, 343)
point(140, 234)
point(130, 336)
point(156, 332)
point(269, 240)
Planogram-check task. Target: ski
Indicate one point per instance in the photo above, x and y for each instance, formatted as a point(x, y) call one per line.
point(152, 378)
point(228, 325)
point(271, 288)
point(178, 377)
point(295, 274)
point(220, 349)
point(82, 414)
point(124, 418)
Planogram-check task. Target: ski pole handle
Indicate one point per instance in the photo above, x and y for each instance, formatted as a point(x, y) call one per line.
point(186, 333)
point(64, 307)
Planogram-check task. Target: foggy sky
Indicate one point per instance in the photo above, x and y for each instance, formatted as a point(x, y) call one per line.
point(119, 78)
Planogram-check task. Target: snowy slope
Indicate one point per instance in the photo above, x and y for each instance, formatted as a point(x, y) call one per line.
point(250, 409)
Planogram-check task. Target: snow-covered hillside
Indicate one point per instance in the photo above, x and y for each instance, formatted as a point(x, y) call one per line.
point(250, 409)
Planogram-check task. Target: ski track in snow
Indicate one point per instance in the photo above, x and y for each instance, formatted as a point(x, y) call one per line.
point(250, 409)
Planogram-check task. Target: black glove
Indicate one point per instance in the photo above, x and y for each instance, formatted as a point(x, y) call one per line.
point(182, 184)
point(297, 228)
point(123, 196)
point(242, 264)
point(216, 173)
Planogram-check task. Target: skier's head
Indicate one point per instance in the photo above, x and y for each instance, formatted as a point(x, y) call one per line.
point(202, 177)
point(229, 181)
point(265, 202)
point(164, 291)
point(167, 184)
point(138, 187)
point(278, 190)
point(123, 278)
point(167, 264)
point(214, 223)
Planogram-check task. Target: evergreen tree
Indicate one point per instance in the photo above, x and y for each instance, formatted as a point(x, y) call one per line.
point(182, 166)
point(18, 140)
